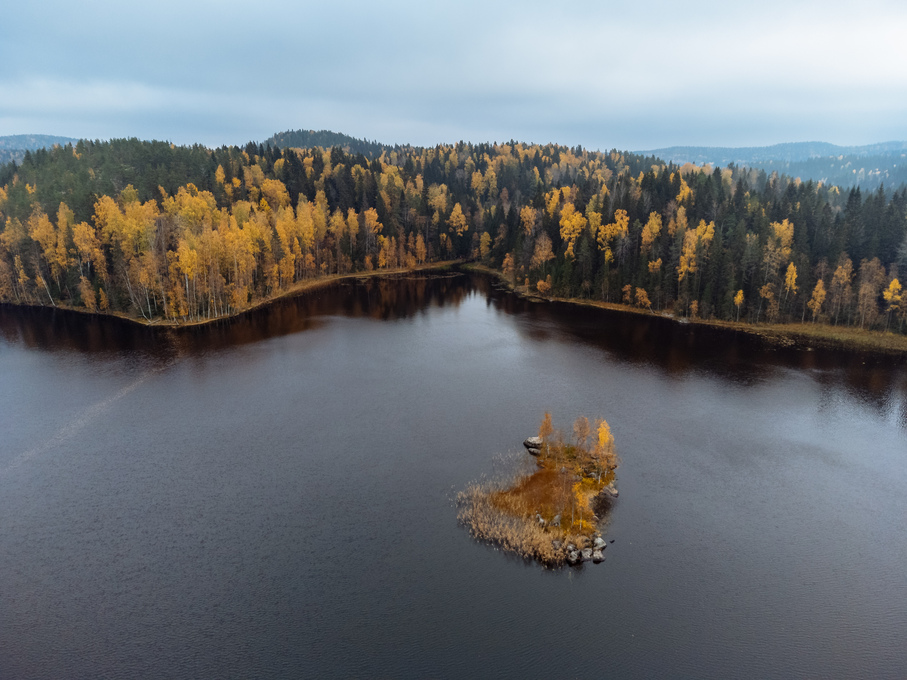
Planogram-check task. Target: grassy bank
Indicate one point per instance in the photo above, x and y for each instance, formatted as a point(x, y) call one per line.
point(789, 334)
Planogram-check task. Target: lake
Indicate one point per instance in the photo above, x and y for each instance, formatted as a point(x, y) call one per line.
point(273, 496)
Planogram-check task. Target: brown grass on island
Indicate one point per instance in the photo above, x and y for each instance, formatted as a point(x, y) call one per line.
point(539, 514)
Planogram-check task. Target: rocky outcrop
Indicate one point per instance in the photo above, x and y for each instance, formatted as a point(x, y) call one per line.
point(534, 445)
point(593, 551)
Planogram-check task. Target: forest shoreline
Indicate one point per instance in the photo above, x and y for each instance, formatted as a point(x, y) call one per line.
point(803, 335)
point(304, 286)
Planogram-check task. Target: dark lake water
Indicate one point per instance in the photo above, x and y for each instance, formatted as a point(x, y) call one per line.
point(272, 497)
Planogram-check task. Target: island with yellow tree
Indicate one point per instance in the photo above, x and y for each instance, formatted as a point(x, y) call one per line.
point(553, 513)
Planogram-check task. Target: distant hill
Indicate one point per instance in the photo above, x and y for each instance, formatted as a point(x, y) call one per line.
point(865, 166)
point(307, 139)
point(13, 147)
point(790, 153)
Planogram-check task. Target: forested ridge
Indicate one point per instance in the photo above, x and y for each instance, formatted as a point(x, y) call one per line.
point(307, 139)
point(189, 233)
point(868, 167)
point(13, 147)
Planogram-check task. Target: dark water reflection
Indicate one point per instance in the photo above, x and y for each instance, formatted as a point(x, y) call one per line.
point(270, 496)
point(649, 340)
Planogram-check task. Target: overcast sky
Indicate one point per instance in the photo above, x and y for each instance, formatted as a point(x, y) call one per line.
point(602, 74)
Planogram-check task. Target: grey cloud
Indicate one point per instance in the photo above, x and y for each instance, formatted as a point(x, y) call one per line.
point(600, 74)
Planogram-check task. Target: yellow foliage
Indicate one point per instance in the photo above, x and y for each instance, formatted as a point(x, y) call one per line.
point(784, 235)
point(628, 294)
point(421, 251)
point(192, 209)
point(618, 228)
point(695, 244)
point(790, 279)
point(508, 267)
point(685, 191)
point(678, 222)
point(650, 232)
point(893, 295)
point(485, 245)
point(552, 200)
point(437, 197)
point(572, 225)
point(817, 300)
point(276, 192)
point(371, 221)
point(253, 175)
point(528, 219)
point(604, 436)
point(86, 292)
point(594, 219)
point(457, 220)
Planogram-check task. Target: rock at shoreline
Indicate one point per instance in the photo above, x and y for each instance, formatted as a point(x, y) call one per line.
point(533, 443)
point(534, 452)
point(611, 490)
point(574, 556)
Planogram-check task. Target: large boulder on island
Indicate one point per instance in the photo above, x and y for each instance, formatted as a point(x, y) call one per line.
point(533, 443)
point(611, 490)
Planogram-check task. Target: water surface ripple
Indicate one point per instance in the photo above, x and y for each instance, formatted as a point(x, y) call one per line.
point(271, 496)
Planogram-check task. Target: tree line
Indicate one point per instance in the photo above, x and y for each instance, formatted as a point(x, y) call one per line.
point(155, 230)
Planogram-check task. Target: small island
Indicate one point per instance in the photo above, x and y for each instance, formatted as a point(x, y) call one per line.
point(551, 514)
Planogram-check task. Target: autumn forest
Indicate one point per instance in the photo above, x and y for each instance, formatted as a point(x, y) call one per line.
point(181, 234)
